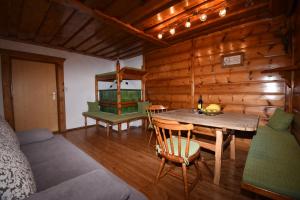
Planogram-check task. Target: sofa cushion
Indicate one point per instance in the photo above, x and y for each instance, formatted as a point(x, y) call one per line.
point(142, 106)
point(273, 161)
point(34, 135)
point(95, 185)
point(280, 120)
point(16, 178)
point(57, 160)
point(8, 135)
point(93, 106)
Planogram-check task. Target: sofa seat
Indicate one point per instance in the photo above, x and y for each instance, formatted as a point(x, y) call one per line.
point(57, 164)
point(273, 162)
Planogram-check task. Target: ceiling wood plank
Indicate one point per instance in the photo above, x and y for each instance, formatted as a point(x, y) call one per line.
point(81, 28)
point(58, 15)
point(112, 21)
point(74, 25)
point(86, 34)
point(32, 16)
point(62, 26)
point(15, 14)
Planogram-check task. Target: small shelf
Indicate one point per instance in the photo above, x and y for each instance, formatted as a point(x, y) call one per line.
point(281, 69)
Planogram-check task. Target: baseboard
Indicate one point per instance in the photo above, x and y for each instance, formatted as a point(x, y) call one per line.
point(78, 128)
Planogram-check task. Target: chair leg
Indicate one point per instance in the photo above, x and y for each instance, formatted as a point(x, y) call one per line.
point(185, 181)
point(161, 167)
point(150, 137)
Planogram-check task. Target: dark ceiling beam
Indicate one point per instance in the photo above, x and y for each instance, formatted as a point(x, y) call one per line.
point(253, 10)
point(112, 21)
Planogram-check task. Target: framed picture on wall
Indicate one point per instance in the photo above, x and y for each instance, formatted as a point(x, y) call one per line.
point(233, 59)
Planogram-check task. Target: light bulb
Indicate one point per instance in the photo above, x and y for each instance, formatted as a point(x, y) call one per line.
point(172, 31)
point(203, 17)
point(160, 36)
point(222, 12)
point(188, 23)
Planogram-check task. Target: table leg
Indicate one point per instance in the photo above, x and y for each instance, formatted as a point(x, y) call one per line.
point(107, 129)
point(232, 147)
point(218, 156)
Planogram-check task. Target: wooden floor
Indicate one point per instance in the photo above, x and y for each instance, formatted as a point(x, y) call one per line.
point(128, 156)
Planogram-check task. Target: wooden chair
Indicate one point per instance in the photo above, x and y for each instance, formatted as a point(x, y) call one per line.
point(208, 139)
point(176, 148)
point(150, 111)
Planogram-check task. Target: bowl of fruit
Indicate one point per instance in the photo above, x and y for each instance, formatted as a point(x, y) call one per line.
point(212, 109)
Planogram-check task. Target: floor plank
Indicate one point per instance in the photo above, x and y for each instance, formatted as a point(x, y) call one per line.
point(128, 155)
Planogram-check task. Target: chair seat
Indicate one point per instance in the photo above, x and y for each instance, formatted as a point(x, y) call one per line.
point(194, 147)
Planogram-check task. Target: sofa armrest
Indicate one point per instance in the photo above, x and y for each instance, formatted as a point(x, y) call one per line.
point(95, 185)
point(33, 136)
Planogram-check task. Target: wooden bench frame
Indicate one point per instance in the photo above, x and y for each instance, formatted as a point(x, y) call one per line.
point(264, 192)
point(110, 123)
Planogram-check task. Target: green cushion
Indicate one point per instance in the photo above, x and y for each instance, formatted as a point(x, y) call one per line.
point(114, 118)
point(142, 106)
point(280, 120)
point(273, 162)
point(194, 147)
point(93, 106)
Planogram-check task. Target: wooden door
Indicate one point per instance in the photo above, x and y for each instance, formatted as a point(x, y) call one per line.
point(34, 95)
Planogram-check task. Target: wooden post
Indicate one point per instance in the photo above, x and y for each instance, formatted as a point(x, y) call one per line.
point(96, 90)
point(144, 81)
point(119, 105)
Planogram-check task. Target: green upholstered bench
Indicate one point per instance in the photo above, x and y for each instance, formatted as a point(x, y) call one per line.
point(112, 119)
point(273, 164)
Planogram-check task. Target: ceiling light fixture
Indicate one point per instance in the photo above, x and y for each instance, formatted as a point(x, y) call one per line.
point(172, 31)
point(188, 23)
point(160, 36)
point(222, 12)
point(203, 17)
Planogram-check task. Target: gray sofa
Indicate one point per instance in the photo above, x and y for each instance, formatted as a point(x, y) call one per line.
point(62, 171)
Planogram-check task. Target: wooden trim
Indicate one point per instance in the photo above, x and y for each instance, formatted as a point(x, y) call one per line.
point(264, 192)
point(6, 57)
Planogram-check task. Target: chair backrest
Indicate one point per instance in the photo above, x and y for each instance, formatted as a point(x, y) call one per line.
point(154, 109)
point(165, 130)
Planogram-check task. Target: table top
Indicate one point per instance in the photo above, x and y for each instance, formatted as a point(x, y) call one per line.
point(228, 120)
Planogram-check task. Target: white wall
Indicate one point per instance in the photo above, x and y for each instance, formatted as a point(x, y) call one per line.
point(79, 77)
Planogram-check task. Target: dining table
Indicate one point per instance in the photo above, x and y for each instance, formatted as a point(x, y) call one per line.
point(220, 124)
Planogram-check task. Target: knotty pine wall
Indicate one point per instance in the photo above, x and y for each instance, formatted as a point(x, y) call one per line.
point(179, 74)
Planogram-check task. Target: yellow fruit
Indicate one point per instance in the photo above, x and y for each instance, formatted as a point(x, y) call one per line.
point(213, 108)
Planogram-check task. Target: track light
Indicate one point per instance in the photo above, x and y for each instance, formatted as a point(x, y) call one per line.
point(172, 31)
point(203, 17)
point(222, 12)
point(160, 36)
point(188, 23)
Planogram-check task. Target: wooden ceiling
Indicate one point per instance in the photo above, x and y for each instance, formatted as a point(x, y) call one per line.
point(114, 29)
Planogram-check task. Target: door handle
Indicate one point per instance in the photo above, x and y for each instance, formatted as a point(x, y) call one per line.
point(53, 96)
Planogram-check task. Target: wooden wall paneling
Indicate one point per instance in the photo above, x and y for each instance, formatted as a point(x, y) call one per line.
point(6, 56)
point(242, 89)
